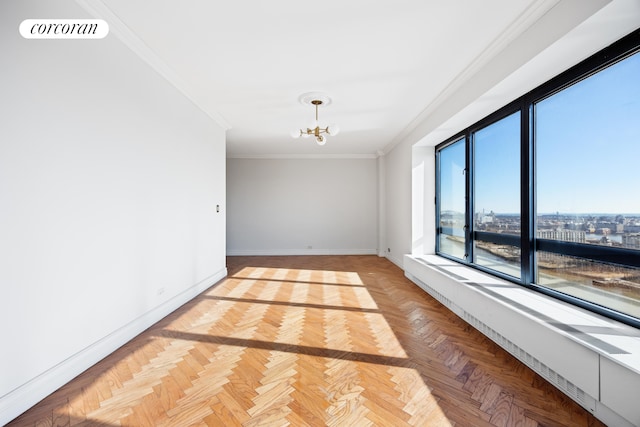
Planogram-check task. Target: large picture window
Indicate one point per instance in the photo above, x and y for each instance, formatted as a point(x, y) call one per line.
point(587, 181)
point(545, 192)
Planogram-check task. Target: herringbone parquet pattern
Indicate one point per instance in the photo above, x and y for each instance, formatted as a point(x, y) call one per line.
point(309, 341)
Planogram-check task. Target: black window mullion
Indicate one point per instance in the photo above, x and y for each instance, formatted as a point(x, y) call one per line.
point(469, 199)
point(437, 200)
point(527, 198)
point(621, 256)
point(497, 238)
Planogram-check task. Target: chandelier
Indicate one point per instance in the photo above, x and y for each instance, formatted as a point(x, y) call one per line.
point(314, 129)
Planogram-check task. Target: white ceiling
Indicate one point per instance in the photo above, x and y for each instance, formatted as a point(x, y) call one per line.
point(383, 63)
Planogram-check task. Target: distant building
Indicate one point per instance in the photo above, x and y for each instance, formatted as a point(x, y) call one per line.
point(486, 219)
point(578, 236)
point(631, 240)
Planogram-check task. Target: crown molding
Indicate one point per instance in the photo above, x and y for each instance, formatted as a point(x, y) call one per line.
point(301, 156)
point(521, 24)
point(98, 9)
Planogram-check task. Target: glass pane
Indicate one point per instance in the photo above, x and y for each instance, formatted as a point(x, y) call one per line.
point(496, 200)
point(607, 285)
point(587, 179)
point(587, 159)
point(503, 258)
point(452, 199)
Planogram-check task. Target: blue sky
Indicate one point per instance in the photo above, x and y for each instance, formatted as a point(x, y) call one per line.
point(588, 151)
point(588, 142)
point(451, 178)
point(497, 166)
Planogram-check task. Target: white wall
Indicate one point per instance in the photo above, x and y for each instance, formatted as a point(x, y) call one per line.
point(423, 206)
point(397, 216)
point(301, 206)
point(109, 181)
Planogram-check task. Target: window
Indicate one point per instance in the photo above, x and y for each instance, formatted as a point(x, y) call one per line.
point(586, 140)
point(451, 212)
point(544, 192)
point(496, 202)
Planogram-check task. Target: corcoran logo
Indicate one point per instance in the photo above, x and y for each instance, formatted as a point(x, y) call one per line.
point(64, 28)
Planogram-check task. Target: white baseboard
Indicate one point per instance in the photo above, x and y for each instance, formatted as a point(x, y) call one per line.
point(397, 261)
point(294, 252)
point(24, 397)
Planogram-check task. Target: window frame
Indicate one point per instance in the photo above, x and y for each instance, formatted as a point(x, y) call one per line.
point(528, 242)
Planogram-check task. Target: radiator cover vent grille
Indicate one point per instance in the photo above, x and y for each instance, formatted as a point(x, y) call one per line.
point(519, 353)
point(540, 368)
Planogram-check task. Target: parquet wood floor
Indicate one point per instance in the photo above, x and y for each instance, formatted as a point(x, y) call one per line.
point(309, 341)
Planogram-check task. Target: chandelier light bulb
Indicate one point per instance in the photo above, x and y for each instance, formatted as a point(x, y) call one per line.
point(333, 129)
point(321, 139)
point(296, 133)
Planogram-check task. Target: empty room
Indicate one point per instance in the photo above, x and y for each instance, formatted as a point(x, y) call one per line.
point(390, 213)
